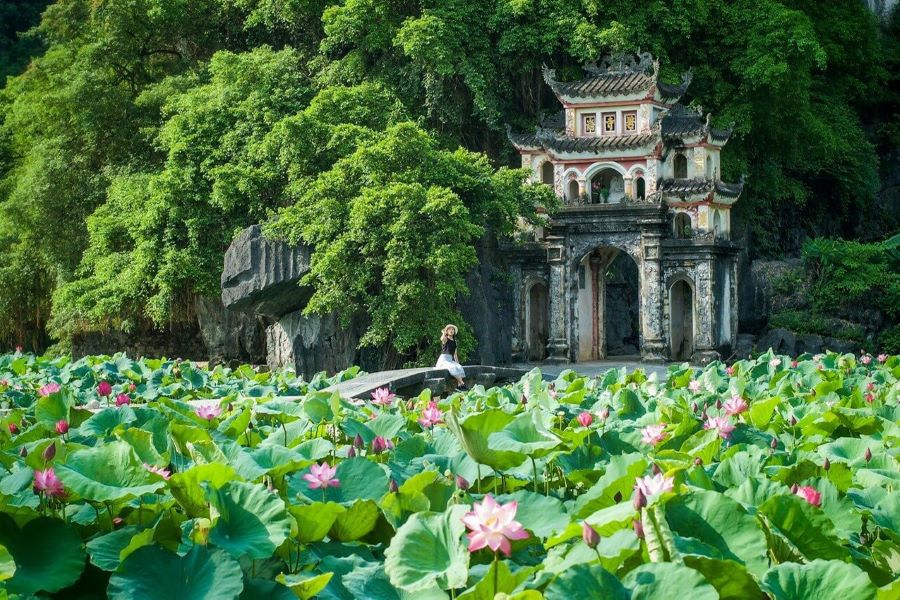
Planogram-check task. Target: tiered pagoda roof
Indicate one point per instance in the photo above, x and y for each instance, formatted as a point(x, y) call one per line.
point(624, 75)
point(693, 190)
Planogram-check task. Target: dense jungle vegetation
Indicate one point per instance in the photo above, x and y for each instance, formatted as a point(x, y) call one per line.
point(136, 138)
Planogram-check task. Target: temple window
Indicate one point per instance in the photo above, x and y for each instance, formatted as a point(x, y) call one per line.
point(680, 164)
point(629, 120)
point(572, 192)
point(547, 173)
point(709, 167)
point(609, 123)
point(589, 124)
point(682, 226)
point(640, 188)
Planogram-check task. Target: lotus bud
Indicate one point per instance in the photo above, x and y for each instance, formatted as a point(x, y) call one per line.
point(694, 407)
point(393, 487)
point(698, 461)
point(868, 455)
point(461, 483)
point(118, 522)
point(122, 400)
point(230, 407)
point(23, 452)
point(774, 443)
point(62, 427)
point(794, 488)
point(604, 414)
point(719, 404)
point(131, 387)
point(656, 469)
point(379, 445)
point(793, 420)
point(358, 441)
point(524, 399)
point(104, 388)
point(794, 364)
point(410, 405)
point(827, 464)
point(13, 428)
point(870, 386)
point(49, 452)
point(589, 535)
point(638, 528)
point(870, 398)
point(639, 501)
point(351, 453)
point(618, 497)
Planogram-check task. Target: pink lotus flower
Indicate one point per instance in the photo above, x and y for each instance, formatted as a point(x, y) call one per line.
point(585, 419)
point(131, 387)
point(322, 476)
point(13, 428)
point(62, 427)
point(774, 362)
point(865, 359)
point(654, 434)
point(870, 398)
point(383, 397)
point(794, 364)
point(810, 494)
point(493, 525)
point(818, 357)
point(48, 483)
point(729, 371)
point(208, 411)
point(694, 386)
point(164, 473)
point(603, 415)
point(4, 382)
point(122, 399)
point(18, 349)
point(722, 424)
point(882, 358)
point(735, 405)
point(104, 388)
point(49, 388)
point(431, 416)
point(870, 386)
point(653, 485)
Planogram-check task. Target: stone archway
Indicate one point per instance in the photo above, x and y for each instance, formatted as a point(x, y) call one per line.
point(681, 320)
point(537, 319)
point(607, 305)
point(606, 186)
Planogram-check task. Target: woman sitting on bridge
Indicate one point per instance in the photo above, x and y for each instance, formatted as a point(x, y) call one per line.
point(448, 358)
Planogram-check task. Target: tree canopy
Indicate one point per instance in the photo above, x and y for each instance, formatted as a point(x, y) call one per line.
point(142, 135)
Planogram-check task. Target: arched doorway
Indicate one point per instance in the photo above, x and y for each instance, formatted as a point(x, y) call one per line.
point(606, 187)
point(608, 305)
point(572, 191)
point(717, 223)
point(640, 188)
point(537, 317)
point(681, 319)
point(680, 164)
point(547, 173)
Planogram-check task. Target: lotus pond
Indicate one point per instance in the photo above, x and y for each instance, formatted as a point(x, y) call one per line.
point(159, 479)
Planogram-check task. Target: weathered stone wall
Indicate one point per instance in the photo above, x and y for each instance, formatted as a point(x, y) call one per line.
point(230, 335)
point(182, 341)
point(488, 307)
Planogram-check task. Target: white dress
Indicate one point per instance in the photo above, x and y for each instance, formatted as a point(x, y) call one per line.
point(445, 361)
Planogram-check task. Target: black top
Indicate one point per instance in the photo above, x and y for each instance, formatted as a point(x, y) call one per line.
point(449, 347)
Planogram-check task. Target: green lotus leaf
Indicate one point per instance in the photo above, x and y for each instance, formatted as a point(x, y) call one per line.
point(719, 521)
point(103, 423)
point(473, 433)
point(106, 473)
point(526, 434)
point(731, 580)
point(371, 582)
point(387, 425)
point(819, 580)
point(618, 478)
point(498, 580)
point(303, 586)
point(259, 589)
point(188, 489)
point(850, 450)
point(141, 442)
point(152, 573)
point(586, 581)
point(55, 407)
point(426, 550)
point(314, 520)
point(107, 551)
point(358, 520)
point(807, 528)
point(48, 555)
point(7, 564)
point(360, 479)
point(668, 580)
point(248, 519)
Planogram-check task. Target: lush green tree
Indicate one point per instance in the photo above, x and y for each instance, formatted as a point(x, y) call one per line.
point(394, 226)
point(17, 17)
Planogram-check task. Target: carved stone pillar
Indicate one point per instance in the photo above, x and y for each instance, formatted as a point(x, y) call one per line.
point(518, 320)
point(655, 344)
point(704, 320)
point(557, 344)
point(598, 293)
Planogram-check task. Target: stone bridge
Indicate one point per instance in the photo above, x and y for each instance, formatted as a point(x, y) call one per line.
point(409, 382)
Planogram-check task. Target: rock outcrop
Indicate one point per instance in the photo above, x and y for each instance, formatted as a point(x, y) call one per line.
point(230, 335)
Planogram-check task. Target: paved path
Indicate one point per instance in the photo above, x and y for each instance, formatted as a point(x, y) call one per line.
point(599, 367)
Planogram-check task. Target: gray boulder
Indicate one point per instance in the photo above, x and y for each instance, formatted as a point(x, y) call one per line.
point(743, 347)
point(230, 335)
point(781, 341)
point(262, 276)
point(311, 344)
